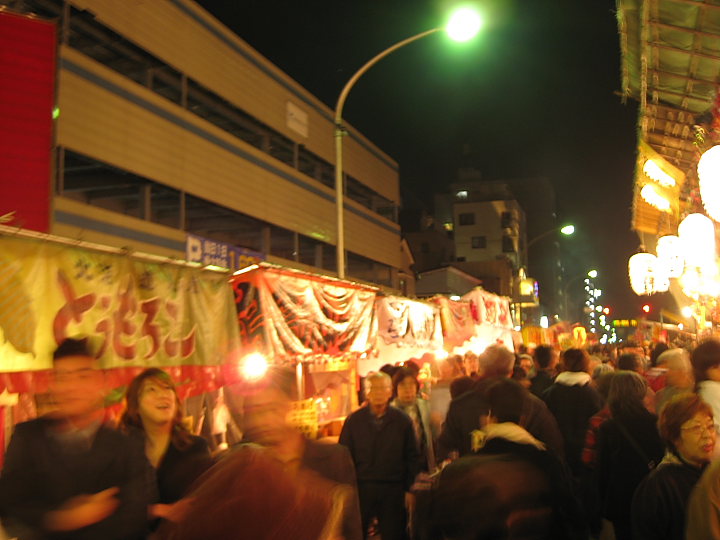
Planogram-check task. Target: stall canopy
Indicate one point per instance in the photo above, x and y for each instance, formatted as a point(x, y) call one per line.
point(136, 312)
point(286, 313)
point(406, 329)
point(457, 321)
point(493, 321)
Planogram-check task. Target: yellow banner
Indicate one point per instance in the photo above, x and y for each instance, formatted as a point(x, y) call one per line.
point(135, 313)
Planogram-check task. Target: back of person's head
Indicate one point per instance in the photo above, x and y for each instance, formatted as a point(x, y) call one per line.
point(497, 361)
point(704, 357)
point(544, 356)
point(493, 497)
point(72, 347)
point(675, 359)
point(460, 385)
point(678, 410)
point(389, 369)
point(411, 365)
point(575, 360)
point(602, 382)
point(630, 361)
point(626, 394)
point(505, 400)
point(657, 350)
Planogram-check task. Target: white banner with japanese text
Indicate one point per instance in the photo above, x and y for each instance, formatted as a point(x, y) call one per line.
point(135, 313)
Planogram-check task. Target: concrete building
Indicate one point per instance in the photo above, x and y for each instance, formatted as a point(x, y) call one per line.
point(168, 124)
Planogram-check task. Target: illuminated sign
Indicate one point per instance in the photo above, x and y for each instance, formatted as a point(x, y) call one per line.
point(624, 323)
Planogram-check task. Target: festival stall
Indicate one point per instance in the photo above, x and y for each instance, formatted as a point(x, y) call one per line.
point(136, 310)
point(491, 319)
point(319, 325)
point(406, 329)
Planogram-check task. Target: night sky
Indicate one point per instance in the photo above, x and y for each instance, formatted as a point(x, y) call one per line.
point(536, 94)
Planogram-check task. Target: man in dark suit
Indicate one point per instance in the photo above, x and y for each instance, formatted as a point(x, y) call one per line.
point(67, 474)
point(265, 406)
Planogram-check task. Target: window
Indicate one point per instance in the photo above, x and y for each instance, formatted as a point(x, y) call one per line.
point(467, 218)
point(508, 245)
point(506, 220)
point(461, 194)
point(479, 242)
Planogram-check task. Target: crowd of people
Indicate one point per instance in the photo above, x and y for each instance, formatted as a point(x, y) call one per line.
point(579, 444)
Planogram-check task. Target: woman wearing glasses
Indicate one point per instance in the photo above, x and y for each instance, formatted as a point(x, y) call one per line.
point(659, 505)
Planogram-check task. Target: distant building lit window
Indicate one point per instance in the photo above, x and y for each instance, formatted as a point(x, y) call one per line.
point(479, 242)
point(448, 226)
point(508, 246)
point(461, 194)
point(467, 218)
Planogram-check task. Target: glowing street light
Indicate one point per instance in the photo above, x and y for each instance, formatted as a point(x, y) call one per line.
point(567, 230)
point(462, 25)
point(592, 274)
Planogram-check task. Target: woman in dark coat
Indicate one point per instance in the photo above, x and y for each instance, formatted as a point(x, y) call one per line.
point(628, 448)
point(573, 400)
point(660, 501)
point(179, 458)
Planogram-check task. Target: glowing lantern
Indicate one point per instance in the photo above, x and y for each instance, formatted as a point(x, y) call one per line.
point(653, 198)
point(709, 174)
point(697, 236)
point(690, 282)
point(652, 170)
point(646, 275)
point(669, 251)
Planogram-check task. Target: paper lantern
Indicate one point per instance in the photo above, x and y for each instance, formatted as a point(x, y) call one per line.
point(647, 276)
point(669, 251)
point(697, 236)
point(709, 174)
point(653, 170)
point(653, 198)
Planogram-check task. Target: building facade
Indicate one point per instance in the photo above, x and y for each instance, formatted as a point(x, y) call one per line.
point(168, 124)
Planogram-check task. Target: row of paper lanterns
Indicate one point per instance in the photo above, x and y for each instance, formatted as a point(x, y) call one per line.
point(691, 255)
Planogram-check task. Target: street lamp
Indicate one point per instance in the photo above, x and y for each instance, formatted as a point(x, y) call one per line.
point(567, 230)
point(463, 25)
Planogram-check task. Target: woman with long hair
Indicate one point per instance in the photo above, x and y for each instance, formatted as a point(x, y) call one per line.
point(628, 448)
point(153, 409)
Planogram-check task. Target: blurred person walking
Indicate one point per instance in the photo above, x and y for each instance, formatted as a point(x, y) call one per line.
point(660, 501)
point(678, 375)
point(383, 446)
point(250, 495)
point(153, 410)
point(69, 475)
point(628, 448)
point(262, 409)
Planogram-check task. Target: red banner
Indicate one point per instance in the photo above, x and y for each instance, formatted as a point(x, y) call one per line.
point(27, 93)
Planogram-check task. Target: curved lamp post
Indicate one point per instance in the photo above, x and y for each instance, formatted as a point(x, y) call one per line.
point(567, 230)
point(463, 25)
